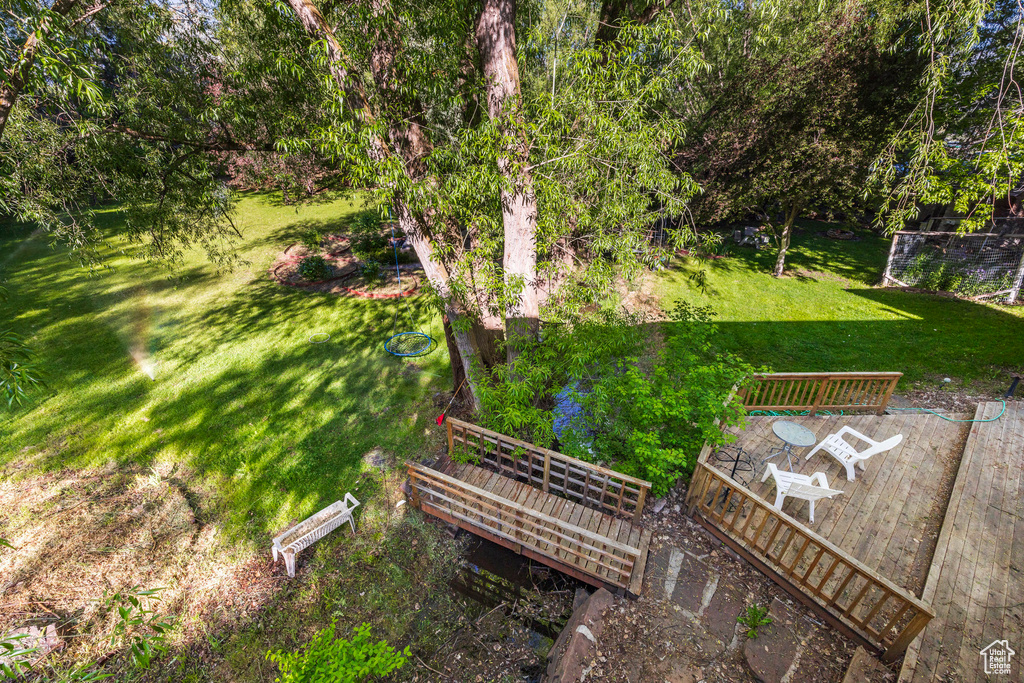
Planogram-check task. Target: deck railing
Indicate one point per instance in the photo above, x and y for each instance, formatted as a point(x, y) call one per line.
point(878, 611)
point(814, 391)
point(526, 531)
point(550, 471)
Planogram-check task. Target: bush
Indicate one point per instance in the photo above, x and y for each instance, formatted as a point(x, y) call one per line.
point(312, 240)
point(326, 659)
point(646, 412)
point(371, 247)
point(314, 268)
point(373, 273)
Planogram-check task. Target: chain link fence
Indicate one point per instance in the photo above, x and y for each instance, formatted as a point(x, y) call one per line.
point(979, 265)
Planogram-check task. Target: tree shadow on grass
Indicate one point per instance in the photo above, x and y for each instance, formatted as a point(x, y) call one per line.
point(860, 260)
point(277, 425)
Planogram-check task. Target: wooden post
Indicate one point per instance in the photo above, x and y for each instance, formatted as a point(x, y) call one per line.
point(451, 444)
point(547, 470)
point(888, 394)
point(887, 274)
point(1017, 281)
point(825, 383)
point(639, 503)
point(906, 637)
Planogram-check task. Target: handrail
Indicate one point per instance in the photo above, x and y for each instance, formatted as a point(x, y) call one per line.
point(547, 535)
point(877, 610)
point(549, 470)
point(814, 391)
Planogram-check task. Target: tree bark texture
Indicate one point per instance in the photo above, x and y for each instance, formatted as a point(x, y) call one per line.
point(787, 234)
point(410, 142)
point(496, 43)
point(17, 76)
point(311, 19)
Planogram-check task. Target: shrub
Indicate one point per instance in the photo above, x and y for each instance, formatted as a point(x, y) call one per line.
point(373, 273)
point(312, 240)
point(371, 247)
point(326, 659)
point(647, 412)
point(314, 268)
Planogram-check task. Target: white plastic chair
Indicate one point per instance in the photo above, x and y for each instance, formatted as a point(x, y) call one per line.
point(846, 454)
point(792, 485)
point(311, 530)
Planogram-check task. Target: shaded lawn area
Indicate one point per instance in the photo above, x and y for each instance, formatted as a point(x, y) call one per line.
point(828, 315)
point(274, 425)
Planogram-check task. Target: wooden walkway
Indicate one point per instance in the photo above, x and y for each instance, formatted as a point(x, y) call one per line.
point(976, 579)
point(598, 548)
point(889, 518)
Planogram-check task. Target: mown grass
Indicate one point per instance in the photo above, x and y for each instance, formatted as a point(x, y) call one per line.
point(275, 426)
point(829, 315)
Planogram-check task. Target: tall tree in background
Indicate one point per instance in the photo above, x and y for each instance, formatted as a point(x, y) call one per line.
point(963, 143)
point(798, 103)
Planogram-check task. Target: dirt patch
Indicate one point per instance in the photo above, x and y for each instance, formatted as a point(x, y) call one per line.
point(638, 296)
point(80, 535)
point(347, 277)
point(647, 640)
point(952, 400)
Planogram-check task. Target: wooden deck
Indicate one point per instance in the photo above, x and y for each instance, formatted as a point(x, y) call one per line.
point(889, 517)
point(976, 579)
point(601, 549)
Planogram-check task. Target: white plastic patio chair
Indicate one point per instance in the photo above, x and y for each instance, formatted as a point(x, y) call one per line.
point(792, 485)
point(846, 454)
point(311, 530)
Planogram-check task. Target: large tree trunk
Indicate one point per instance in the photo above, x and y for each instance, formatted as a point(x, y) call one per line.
point(496, 42)
point(17, 75)
point(787, 233)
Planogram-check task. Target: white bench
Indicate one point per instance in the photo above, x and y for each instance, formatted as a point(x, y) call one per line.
point(847, 455)
point(308, 532)
point(790, 484)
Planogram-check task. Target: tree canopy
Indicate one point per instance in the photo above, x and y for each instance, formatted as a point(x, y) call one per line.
point(526, 149)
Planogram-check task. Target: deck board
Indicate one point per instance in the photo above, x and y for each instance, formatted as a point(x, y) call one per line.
point(975, 578)
point(615, 529)
point(887, 505)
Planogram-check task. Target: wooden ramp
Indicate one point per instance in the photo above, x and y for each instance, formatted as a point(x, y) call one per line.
point(597, 548)
point(976, 581)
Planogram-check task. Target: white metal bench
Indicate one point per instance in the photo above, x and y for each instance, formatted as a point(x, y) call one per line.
point(847, 455)
point(308, 532)
point(790, 484)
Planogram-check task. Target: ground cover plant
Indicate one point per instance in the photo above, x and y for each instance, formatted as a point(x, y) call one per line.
point(616, 389)
point(828, 314)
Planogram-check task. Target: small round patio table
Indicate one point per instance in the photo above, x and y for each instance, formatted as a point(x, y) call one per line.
point(792, 434)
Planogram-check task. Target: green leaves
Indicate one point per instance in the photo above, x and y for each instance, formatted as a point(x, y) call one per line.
point(326, 659)
point(19, 370)
point(139, 625)
point(10, 648)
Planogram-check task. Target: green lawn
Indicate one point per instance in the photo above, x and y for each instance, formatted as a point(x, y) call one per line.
point(275, 425)
point(829, 315)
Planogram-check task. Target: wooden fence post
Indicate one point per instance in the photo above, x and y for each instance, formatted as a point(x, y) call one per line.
point(888, 394)
point(547, 470)
point(825, 383)
point(451, 443)
point(639, 503)
point(906, 637)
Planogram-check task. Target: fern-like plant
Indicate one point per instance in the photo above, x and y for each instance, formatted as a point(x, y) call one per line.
point(326, 659)
point(754, 618)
